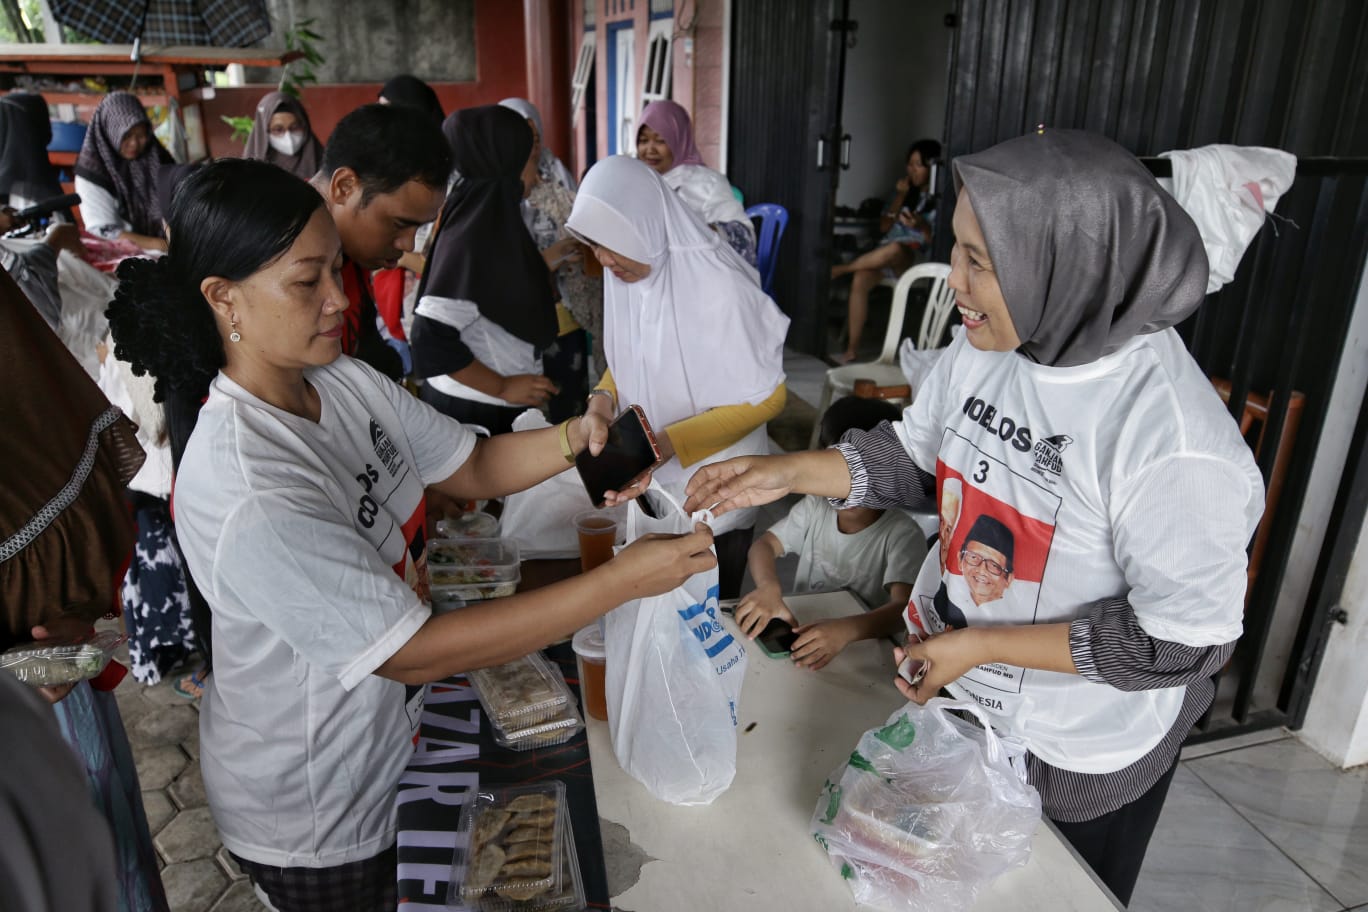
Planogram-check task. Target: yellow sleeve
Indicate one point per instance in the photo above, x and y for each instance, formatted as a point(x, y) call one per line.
point(716, 429)
point(606, 382)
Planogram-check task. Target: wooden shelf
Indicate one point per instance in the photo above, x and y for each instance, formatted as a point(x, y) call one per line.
point(94, 98)
point(63, 159)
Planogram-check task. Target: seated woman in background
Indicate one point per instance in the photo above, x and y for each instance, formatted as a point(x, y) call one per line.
point(116, 173)
point(907, 223)
point(690, 336)
point(665, 141)
point(486, 306)
point(26, 176)
point(282, 136)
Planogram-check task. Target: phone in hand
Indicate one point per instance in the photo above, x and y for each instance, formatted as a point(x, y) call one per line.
point(776, 640)
point(631, 452)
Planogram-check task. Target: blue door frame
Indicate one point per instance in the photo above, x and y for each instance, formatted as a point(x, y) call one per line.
point(611, 36)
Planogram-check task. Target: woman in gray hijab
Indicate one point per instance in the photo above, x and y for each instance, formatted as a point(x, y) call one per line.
point(1070, 414)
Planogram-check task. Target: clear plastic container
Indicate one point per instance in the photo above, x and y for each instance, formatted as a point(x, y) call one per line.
point(513, 856)
point(473, 568)
point(476, 524)
point(556, 730)
point(521, 693)
point(49, 662)
point(569, 897)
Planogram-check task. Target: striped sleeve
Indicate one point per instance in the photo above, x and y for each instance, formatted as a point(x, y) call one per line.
point(882, 474)
point(1110, 647)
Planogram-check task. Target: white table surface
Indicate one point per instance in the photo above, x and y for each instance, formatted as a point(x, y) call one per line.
point(750, 849)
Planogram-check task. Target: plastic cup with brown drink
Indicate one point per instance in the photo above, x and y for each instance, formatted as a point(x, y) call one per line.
point(597, 532)
point(591, 656)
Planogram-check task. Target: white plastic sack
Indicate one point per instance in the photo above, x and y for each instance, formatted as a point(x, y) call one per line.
point(1227, 190)
point(916, 363)
point(86, 293)
point(541, 518)
point(927, 810)
point(674, 678)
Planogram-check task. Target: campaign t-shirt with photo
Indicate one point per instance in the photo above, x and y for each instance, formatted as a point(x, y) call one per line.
point(1060, 487)
point(307, 540)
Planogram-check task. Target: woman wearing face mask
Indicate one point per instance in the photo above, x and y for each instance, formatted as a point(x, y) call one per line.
point(116, 173)
point(1105, 494)
point(282, 136)
point(690, 336)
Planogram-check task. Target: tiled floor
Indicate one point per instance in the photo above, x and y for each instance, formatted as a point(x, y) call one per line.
point(1255, 823)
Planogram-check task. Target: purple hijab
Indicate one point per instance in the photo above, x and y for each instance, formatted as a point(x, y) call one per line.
point(671, 121)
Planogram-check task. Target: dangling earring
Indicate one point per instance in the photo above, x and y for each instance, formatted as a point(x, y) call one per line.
point(234, 336)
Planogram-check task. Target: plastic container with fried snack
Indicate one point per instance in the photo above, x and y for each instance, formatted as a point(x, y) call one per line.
point(520, 693)
point(474, 568)
point(46, 663)
point(513, 853)
point(569, 897)
point(558, 729)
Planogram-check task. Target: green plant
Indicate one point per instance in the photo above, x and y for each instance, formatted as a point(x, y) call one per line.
point(242, 127)
point(304, 39)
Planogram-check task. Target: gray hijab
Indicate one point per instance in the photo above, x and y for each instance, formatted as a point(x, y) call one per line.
point(1088, 249)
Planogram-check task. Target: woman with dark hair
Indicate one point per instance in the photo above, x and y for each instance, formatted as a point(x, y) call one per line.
point(413, 92)
point(1121, 493)
point(116, 173)
point(907, 223)
point(300, 508)
point(26, 176)
point(486, 305)
point(282, 136)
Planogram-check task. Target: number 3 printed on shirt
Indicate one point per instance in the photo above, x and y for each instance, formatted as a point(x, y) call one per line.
point(982, 474)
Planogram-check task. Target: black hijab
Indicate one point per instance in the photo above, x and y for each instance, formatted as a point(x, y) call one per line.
point(133, 183)
point(25, 132)
point(482, 251)
point(1088, 249)
point(414, 93)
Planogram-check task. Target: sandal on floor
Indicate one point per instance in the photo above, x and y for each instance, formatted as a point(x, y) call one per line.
point(191, 686)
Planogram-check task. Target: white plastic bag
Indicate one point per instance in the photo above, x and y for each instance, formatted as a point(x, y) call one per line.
point(674, 678)
point(542, 518)
point(927, 810)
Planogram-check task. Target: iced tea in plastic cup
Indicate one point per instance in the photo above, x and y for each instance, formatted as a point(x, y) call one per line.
point(593, 667)
point(597, 531)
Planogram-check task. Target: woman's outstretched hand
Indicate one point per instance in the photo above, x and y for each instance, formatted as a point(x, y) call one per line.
point(734, 484)
point(655, 564)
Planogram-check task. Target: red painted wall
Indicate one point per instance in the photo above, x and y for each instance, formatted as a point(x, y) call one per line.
point(500, 67)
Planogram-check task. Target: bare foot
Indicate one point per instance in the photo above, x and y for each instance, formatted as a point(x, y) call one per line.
point(842, 357)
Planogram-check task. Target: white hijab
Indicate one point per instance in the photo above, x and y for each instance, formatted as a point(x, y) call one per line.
point(695, 334)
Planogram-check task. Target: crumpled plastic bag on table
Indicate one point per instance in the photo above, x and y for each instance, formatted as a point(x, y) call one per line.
point(927, 810)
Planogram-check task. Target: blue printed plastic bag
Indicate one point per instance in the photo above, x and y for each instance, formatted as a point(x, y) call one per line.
point(673, 678)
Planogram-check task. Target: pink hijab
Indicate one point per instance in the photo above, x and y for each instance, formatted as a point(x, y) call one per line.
point(671, 121)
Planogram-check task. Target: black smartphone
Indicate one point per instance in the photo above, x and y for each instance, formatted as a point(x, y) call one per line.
point(777, 639)
point(631, 452)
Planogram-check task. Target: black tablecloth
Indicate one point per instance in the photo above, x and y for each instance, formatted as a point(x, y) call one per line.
point(455, 754)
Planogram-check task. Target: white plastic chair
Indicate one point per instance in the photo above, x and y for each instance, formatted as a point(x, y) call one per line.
point(885, 371)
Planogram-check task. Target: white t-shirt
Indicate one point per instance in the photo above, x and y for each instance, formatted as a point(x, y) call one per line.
point(1124, 478)
point(307, 541)
point(887, 551)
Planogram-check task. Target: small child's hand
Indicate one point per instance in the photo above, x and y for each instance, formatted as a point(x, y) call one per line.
point(759, 607)
point(821, 641)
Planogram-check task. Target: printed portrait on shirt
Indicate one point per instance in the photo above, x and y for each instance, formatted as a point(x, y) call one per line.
point(996, 530)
